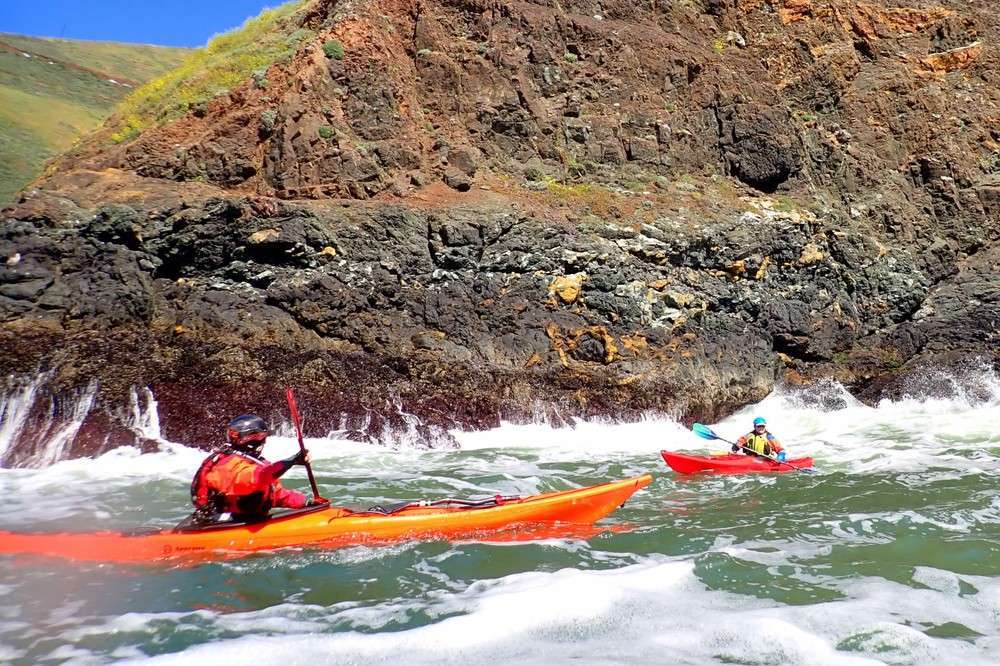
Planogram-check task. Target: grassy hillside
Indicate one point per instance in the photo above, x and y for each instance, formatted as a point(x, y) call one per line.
point(228, 60)
point(52, 91)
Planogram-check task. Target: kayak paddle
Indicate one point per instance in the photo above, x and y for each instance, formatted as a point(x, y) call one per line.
point(294, 409)
point(705, 432)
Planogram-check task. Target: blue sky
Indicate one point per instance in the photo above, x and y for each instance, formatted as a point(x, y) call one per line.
point(163, 22)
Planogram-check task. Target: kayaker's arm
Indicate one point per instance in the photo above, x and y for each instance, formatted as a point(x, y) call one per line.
point(777, 451)
point(277, 469)
point(283, 498)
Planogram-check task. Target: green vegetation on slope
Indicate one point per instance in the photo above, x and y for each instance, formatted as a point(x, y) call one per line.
point(227, 61)
point(132, 62)
point(53, 91)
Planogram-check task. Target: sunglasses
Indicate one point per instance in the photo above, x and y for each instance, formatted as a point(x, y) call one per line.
point(253, 437)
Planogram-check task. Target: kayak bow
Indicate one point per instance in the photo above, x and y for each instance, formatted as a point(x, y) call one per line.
point(735, 463)
point(332, 527)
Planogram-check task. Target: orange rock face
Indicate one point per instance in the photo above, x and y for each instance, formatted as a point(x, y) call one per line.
point(954, 59)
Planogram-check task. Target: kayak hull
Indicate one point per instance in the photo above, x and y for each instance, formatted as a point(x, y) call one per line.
point(331, 527)
point(734, 463)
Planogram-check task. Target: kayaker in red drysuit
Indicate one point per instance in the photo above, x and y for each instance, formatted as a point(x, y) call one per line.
point(238, 480)
point(759, 442)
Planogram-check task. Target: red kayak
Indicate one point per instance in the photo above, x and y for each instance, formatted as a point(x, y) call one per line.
point(733, 463)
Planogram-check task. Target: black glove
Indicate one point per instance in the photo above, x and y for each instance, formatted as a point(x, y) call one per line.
point(736, 448)
point(298, 459)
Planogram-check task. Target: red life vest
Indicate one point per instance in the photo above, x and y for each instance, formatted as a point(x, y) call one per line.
point(229, 481)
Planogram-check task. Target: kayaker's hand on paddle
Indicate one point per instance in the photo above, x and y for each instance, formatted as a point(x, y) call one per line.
point(301, 458)
point(277, 470)
point(293, 408)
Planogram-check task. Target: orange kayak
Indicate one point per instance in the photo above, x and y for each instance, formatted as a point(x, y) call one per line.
point(331, 527)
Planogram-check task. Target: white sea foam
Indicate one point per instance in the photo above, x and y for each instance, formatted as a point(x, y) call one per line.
point(824, 421)
point(123, 465)
point(14, 410)
point(653, 612)
point(583, 438)
point(9, 654)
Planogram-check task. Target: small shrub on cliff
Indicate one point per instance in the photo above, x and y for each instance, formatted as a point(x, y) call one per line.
point(570, 57)
point(785, 205)
point(596, 198)
point(268, 120)
point(130, 131)
point(260, 78)
point(334, 49)
point(890, 359)
point(991, 163)
point(575, 168)
point(326, 132)
point(226, 62)
point(299, 37)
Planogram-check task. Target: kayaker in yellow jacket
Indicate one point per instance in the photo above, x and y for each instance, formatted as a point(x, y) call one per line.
point(759, 442)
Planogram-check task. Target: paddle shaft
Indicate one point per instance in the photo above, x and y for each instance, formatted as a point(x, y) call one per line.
point(294, 409)
point(780, 462)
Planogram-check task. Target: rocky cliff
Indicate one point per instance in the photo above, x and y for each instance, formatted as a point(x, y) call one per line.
point(464, 210)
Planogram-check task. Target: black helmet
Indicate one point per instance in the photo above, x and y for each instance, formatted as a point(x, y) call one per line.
point(247, 430)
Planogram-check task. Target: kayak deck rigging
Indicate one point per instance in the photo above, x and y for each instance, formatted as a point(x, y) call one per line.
point(194, 523)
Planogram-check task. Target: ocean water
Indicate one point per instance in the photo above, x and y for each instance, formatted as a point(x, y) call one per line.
point(889, 554)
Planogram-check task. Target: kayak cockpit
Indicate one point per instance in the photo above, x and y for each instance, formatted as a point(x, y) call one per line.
point(195, 523)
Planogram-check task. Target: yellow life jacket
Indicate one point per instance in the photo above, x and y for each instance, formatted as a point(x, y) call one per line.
point(759, 444)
